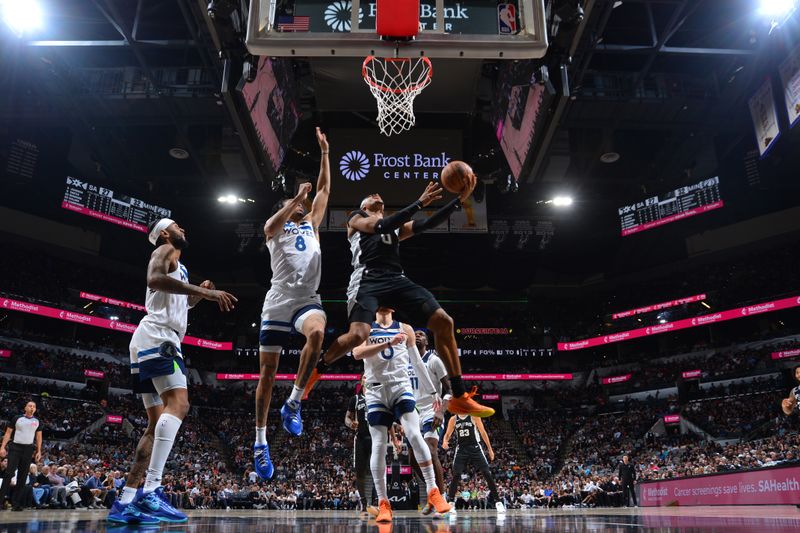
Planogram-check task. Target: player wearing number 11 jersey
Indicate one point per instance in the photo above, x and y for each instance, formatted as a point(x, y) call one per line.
point(292, 304)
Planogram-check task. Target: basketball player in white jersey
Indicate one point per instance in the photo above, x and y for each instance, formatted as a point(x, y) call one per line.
point(158, 371)
point(387, 353)
point(292, 303)
point(431, 419)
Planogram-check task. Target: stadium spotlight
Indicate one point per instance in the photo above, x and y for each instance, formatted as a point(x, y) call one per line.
point(113, 317)
point(21, 15)
point(777, 9)
point(562, 201)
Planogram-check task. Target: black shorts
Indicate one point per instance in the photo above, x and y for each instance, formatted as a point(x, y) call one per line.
point(384, 288)
point(469, 455)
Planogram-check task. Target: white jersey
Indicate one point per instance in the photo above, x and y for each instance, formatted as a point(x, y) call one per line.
point(390, 365)
point(296, 259)
point(436, 371)
point(166, 309)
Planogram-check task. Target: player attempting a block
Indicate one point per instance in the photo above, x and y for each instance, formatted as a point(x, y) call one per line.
point(292, 303)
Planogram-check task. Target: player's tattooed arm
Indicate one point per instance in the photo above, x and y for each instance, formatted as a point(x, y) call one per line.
point(320, 203)
point(276, 222)
point(158, 279)
point(788, 405)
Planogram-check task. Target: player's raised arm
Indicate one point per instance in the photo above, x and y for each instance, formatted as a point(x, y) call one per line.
point(277, 221)
point(411, 228)
point(367, 224)
point(158, 279)
point(369, 350)
point(320, 203)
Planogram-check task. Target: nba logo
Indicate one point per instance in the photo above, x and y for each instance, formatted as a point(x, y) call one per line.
point(507, 19)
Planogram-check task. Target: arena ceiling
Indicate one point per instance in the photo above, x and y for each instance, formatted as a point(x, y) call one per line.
point(113, 85)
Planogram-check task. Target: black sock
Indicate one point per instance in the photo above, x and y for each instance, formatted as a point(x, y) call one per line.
point(458, 386)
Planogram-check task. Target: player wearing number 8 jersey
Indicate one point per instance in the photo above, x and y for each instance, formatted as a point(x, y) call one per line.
point(292, 304)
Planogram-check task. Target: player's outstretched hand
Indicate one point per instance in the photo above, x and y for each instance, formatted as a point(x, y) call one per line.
point(432, 193)
point(788, 405)
point(225, 300)
point(398, 339)
point(445, 445)
point(322, 139)
point(302, 192)
point(472, 181)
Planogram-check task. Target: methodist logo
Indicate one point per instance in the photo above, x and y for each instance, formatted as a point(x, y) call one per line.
point(338, 15)
point(354, 166)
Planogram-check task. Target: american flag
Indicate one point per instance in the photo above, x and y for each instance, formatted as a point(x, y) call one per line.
point(290, 23)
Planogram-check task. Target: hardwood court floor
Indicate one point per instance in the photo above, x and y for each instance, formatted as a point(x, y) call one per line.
point(771, 519)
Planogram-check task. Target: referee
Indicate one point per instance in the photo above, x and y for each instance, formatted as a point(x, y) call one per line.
point(356, 419)
point(20, 451)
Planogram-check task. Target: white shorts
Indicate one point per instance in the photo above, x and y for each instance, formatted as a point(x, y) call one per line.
point(151, 373)
point(426, 415)
point(388, 402)
point(283, 315)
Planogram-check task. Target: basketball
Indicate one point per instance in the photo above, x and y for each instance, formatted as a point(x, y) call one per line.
point(455, 176)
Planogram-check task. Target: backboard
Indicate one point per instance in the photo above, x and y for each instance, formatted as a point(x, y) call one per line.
point(469, 29)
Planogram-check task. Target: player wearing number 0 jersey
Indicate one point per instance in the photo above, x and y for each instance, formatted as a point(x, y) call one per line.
point(378, 280)
point(387, 353)
point(292, 304)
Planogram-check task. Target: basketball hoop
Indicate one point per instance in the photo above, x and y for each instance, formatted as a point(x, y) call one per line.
point(395, 82)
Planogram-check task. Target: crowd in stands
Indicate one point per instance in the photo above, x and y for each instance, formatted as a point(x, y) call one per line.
point(734, 416)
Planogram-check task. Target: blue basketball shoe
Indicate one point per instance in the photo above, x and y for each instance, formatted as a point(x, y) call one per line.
point(290, 415)
point(263, 464)
point(155, 504)
point(130, 514)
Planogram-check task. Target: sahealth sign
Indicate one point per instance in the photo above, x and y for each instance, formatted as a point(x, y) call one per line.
point(364, 163)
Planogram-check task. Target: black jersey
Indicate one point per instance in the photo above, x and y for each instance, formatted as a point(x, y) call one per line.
point(466, 431)
point(358, 405)
point(374, 251)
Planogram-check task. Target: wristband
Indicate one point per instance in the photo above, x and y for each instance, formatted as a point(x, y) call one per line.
point(447, 397)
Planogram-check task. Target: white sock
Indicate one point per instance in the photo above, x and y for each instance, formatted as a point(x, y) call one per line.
point(166, 429)
point(410, 423)
point(296, 395)
point(261, 435)
point(128, 494)
point(377, 462)
point(430, 477)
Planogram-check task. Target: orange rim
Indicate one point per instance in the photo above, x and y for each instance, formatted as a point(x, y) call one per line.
point(419, 86)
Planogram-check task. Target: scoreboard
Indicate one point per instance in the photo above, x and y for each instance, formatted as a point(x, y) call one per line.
point(676, 205)
point(105, 204)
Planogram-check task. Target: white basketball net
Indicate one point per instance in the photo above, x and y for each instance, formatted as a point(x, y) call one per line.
point(395, 82)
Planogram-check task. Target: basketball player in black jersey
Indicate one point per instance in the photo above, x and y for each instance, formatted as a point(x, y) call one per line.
point(356, 419)
point(378, 281)
point(469, 432)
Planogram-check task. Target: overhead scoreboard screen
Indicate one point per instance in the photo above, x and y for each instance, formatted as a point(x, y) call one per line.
point(98, 202)
point(676, 205)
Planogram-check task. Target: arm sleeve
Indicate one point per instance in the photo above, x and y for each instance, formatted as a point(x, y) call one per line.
point(437, 218)
point(438, 369)
point(391, 223)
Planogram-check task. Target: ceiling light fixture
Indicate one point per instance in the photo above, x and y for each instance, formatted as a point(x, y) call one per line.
point(562, 201)
point(21, 16)
point(179, 153)
point(777, 9)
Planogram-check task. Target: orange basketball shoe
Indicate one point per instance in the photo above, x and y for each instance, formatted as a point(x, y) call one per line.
point(435, 498)
point(385, 513)
point(465, 405)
